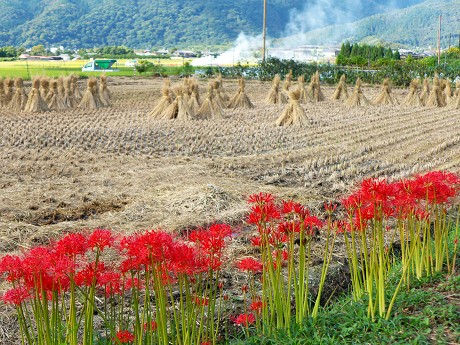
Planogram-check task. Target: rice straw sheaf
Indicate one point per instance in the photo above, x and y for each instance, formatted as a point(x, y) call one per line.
point(9, 83)
point(3, 102)
point(184, 112)
point(273, 96)
point(35, 102)
point(447, 91)
point(413, 99)
point(436, 98)
point(194, 101)
point(164, 102)
point(217, 95)
point(357, 98)
point(425, 91)
point(315, 88)
point(54, 98)
point(104, 91)
point(44, 87)
point(304, 96)
point(209, 108)
point(89, 100)
point(385, 97)
point(341, 90)
point(222, 90)
point(19, 100)
point(68, 98)
point(74, 85)
point(240, 100)
point(293, 114)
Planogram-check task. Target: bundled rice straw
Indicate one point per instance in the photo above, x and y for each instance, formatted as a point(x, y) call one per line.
point(164, 102)
point(294, 114)
point(315, 88)
point(9, 83)
point(171, 111)
point(436, 98)
point(90, 98)
point(385, 96)
point(217, 96)
point(54, 98)
point(104, 92)
point(44, 87)
point(194, 102)
point(273, 96)
point(68, 98)
point(240, 100)
point(19, 100)
point(447, 91)
point(304, 96)
point(425, 91)
point(222, 91)
point(341, 90)
point(357, 98)
point(3, 102)
point(74, 86)
point(284, 95)
point(183, 110)
point(35, 102)
point(413, 99)
point(209, 109)
point(457, 89)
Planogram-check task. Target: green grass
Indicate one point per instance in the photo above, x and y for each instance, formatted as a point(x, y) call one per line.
point(29, 69)
point(427, 313)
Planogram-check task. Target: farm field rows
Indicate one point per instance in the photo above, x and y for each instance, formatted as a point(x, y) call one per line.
point(119, 168)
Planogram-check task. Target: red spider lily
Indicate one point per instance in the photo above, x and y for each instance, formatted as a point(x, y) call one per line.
point(263, 213)
point(330, 207)
point(244, 319)
point(124, 337)
point(436, 187)
point(133, 283)
point(261, 198)
point(71, 245)
point(205, 343)
point(184, 259)
point(311, 223)
point(89, 274)
point(101, 238)
point(256, 241)
point(340, 226)
point(152, 326)
point(37, 264)
point(201, 301)
point(111, 282)
point(16, 296)
point(293, 208)
point(11, 267)
point(250, 265)
point(256, 306)
point(289, 227)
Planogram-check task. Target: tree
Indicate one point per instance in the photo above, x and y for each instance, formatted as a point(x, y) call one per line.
point(38, 50)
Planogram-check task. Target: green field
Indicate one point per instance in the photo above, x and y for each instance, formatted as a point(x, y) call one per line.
point(29, 69)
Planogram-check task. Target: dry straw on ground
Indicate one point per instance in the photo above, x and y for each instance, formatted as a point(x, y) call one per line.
point(222, 90)
point(44, 87)
point(385, 97)
point(164, 102)
point(241, 99)
point(19, 100)
point(304, 96)
point(217, 95)
point(315, 88)
point(35, 102)
point(413, 99)
point(357, 98)
point(90, 98)
point(74, 85)
point(104, 91)
point(341, 90)
point(54, 98)
point(293, 114)
point(9, 83)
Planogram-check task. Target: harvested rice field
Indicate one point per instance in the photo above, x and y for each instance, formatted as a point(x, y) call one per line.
point(120, 168)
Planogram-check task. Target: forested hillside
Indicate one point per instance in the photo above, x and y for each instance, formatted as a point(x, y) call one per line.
point(147, 23)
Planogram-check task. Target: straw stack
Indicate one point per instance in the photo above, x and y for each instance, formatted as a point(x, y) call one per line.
point(209, 109)
point(217, 95)
point(436, 98)
point(240, 100)
point(9, 83)
point(293, 114)
point(3, 102)
point(413, 99)
point(194, 102)
point(184, 112)
point(222, 90)
point(90, 98)
point(69, 98)
point(104, 91)
point(273, 96)
point(447, 91)
point(425, 91)
point(54, 98)
point(341, 90)
point(35, 102)
point(74, 86)
point(19, 100)
point(385, 97)
point(44, 87)
point(357, 98)
point(315, 88)
point(165, 101)
point(304, 97)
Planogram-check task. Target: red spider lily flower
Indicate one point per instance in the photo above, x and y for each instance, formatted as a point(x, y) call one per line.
point(289, 227)
point(111, 282)
point(205, 343)
point(101, 238)
point(91, 273)
point(133, 283)
point(340, 226)
point(330, 207)
point(124, 337)
point(244, 319)
point(436, 187)
point(264, 213)
point(201, 301)
point(150, 327)
point(220, 285)
point(16, 296)
point(250, 265)
point(71, 245)
point(11, 267)
point(256, 306)
point(261, 198)
point(256, 241)
point(184, 259)
point(294, 208)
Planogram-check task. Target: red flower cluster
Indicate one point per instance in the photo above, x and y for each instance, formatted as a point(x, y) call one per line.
point(124, 337)
point(244, 319)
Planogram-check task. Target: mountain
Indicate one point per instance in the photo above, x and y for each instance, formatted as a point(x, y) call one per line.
point(180, 23)
point(415, 26)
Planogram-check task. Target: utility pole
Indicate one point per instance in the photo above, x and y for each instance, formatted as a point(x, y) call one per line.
point(264, 31)
point(439, 41)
